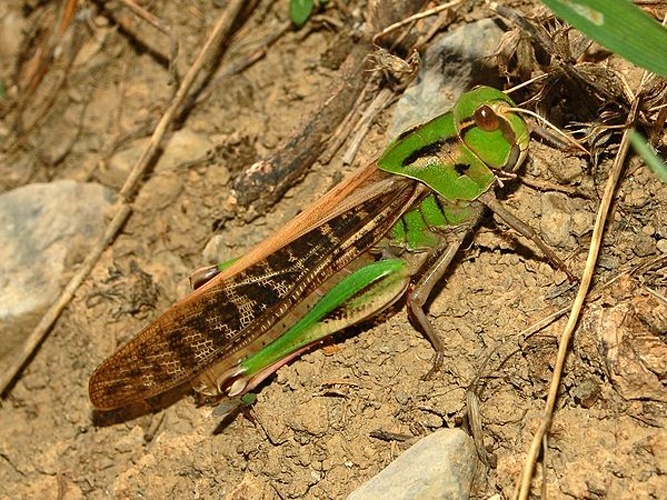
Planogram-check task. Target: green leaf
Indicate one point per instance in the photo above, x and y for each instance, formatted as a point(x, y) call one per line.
point(651, 159)
point(300, 11)
point(619, 26)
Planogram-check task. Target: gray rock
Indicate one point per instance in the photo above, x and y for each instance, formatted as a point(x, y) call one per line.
point(43, 228)
point(440, 466)
point(451, 65)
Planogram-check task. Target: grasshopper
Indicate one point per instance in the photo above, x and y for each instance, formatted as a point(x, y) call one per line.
point(387, 231)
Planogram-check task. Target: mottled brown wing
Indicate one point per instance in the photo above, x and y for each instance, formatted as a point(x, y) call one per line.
point(230, 312)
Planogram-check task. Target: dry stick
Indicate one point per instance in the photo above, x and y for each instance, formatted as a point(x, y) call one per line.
point(44, 55)
point(123, 207)
point(264, 182)
point(539, 185)
point(237, 67)
point(161, 26)
point(416, 17)
point(70, 48)
point(348, 124)
point(598, 230)
point(380, 102)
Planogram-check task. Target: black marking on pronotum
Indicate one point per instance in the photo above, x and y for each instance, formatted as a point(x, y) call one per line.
point(428, 150)
point(461, 168)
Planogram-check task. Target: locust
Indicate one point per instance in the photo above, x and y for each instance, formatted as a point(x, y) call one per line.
point(388, 231)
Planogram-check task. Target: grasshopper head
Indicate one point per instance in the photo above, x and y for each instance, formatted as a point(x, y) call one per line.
point(488, 126)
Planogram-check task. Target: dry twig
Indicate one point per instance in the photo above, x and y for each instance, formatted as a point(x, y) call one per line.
point(540, 437)
point(123, 206)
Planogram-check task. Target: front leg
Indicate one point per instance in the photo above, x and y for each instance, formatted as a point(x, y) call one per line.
point(524, 229)
point(420, 292)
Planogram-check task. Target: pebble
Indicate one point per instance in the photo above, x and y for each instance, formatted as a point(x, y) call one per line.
point(451, 65)
point(43, 229)
point(439, 466)
point(556, 220)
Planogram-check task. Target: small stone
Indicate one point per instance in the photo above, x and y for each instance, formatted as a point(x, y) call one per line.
point(586, 393)
point(643, 245)
point(582, 223)
point(182, 147)
point(662, 245)
point(637, 198)
point(450, 66)
point(439, 466)
point(556, 221)
point(402, 398)
point(44, 230)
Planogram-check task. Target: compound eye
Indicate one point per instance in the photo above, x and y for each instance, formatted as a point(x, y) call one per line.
point(486, 118)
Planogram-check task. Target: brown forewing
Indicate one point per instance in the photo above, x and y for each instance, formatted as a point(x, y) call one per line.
point(238, 306)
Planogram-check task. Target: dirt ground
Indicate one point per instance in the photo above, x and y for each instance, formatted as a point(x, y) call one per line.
point(316, 430)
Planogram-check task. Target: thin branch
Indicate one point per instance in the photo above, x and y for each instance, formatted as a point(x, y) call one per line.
point(123, 206)
point(539, 439)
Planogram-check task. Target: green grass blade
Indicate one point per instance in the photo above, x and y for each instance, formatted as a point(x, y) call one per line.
point(619, 26)
point(651, 159)
point(300, 10)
